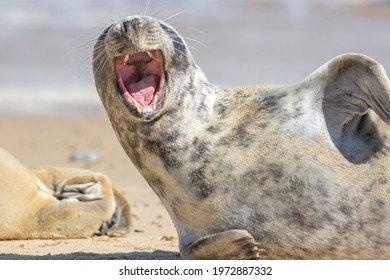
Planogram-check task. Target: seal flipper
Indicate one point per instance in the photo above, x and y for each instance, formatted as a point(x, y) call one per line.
point(96, 188)
point(83, 200)
point(350, 88)
point(227, 245)
point(120, 222)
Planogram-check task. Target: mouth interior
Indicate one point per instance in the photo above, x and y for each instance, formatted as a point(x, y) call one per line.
point(141, 79)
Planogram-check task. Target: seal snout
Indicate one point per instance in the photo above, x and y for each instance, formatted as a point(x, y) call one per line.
point(133, 34)
point(134, 47)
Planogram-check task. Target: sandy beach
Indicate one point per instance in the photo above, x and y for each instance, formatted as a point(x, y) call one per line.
point(51, 141)
point(49, 108)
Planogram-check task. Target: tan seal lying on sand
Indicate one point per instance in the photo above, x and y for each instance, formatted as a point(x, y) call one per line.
point(58, 203)
point(303, 169)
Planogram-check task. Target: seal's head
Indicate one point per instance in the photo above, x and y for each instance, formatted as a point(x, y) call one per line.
point(136, 64)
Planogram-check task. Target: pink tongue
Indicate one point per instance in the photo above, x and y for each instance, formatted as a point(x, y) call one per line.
point(143, 90)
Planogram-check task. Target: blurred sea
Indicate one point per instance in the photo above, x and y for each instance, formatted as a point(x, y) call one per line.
point(46, 45)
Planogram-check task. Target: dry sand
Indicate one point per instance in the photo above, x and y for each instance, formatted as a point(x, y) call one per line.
point(50, 141)
point(265, 30)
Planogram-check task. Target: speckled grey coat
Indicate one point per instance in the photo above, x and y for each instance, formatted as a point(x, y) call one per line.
point(302, 168)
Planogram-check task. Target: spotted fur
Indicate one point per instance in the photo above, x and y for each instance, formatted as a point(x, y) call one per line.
point(302, 168)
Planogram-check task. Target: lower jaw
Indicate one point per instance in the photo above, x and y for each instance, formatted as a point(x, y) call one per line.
point(148, 112)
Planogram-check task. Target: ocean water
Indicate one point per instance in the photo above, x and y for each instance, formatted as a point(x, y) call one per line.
point(46, 46)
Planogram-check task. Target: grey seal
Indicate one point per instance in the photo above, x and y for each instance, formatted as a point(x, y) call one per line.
point(301, 171)
point(58, 202)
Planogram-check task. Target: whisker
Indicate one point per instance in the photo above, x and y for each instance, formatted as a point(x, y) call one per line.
point(86, 59)
point(97, 47)
point(85, 69)
point(197, 30)
point(102, 64)
point(146, 8)
point(93, 42)
point(158, 11)
point(97, 57)
point(177, 42)
point(100, 56)
point(180, 43)
point(175, 15)
point(88, 44)
point(179, 51)
point(196, 41)
point(104, 60)
point(99, 43)
point(100, 26)
point(84, 62)
point(193, 48)
point(105, 63)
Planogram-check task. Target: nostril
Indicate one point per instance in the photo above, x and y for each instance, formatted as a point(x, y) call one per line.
point(135, 22)
point(125, 27)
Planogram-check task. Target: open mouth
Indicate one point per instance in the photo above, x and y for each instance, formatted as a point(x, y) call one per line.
point(140, 77)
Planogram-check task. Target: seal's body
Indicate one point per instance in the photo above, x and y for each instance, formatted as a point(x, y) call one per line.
point(49, 202)
point(303, 169)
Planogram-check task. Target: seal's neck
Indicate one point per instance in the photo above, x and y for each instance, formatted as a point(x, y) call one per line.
point(171, 151)
point(189, 95)
point(164, 145)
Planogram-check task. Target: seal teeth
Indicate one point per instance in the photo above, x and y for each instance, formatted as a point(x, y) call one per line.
point(150, 54)
point(155, 101)
point(126, 58)
point(127, 55)
point(139, 109)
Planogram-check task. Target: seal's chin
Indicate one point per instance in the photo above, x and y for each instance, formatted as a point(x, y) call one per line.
point(141, 79)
